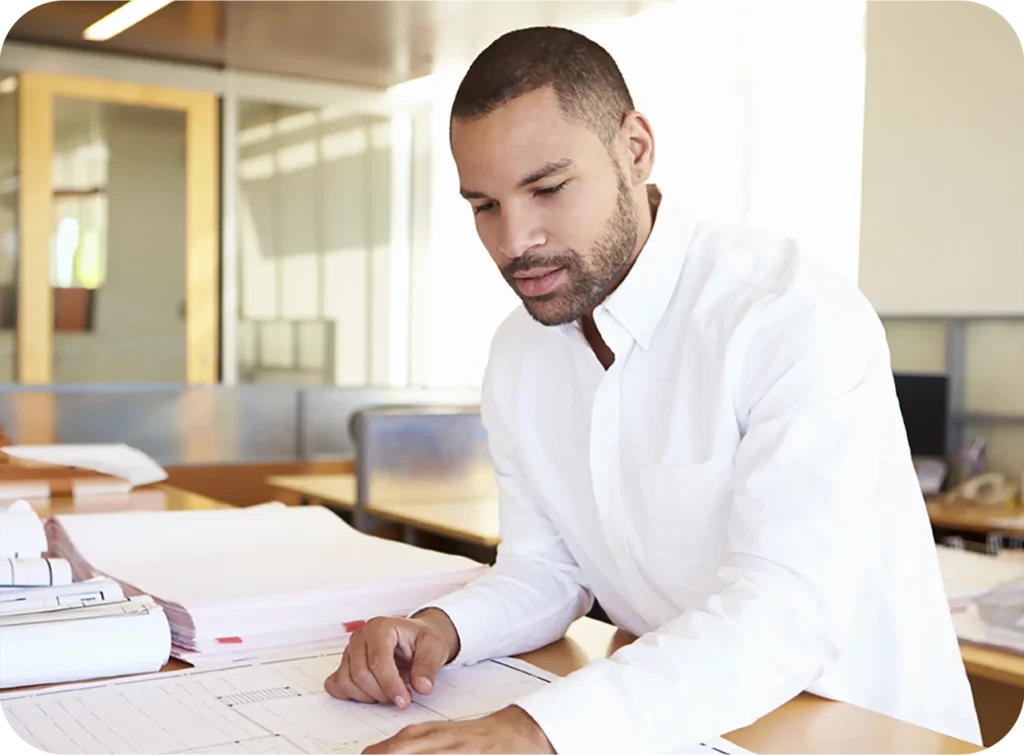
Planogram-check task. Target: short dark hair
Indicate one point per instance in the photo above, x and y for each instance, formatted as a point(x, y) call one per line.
point(586, 80)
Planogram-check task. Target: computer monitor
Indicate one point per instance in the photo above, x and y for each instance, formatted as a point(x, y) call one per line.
point(924, 402)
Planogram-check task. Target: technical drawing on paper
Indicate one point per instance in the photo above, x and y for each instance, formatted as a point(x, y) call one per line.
point(267, 707)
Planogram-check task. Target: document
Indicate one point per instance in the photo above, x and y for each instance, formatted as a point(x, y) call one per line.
point(115, 459)
point(231, 583)
point(269, 707)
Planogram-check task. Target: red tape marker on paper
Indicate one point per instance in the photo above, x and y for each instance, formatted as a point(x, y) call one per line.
point(351, 626)
point(229, 640)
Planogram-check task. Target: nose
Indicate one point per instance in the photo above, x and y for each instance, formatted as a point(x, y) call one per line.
point(520, 232)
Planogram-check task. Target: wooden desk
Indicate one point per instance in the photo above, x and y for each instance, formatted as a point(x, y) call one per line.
point(471, 520)
point(996, 520)
point(338, 490)
point(150, 498)
point(807, 724)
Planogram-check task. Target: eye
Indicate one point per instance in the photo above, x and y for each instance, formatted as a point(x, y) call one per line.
point(550, 190)
point(478, 208)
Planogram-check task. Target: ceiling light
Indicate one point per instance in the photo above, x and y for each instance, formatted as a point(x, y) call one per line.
point(118, 20)
point(8, 85)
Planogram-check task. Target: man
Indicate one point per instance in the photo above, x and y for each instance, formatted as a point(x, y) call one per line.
point(693, 423)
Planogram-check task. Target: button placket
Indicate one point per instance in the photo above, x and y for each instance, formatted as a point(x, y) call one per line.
point(606, 454)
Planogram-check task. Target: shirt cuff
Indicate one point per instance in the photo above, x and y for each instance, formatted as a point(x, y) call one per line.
point(464, 611)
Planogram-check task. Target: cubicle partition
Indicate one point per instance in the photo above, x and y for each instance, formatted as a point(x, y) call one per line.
point(184, 425)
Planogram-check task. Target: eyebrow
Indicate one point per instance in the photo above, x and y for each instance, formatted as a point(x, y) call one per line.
point(549, 169)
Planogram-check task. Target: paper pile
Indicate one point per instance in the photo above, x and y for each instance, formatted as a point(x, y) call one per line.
point(241, 582)
point(986, 595)
point(54, 631)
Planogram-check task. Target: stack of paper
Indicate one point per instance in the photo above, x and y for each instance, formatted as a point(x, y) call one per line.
point(975, 585)
point(967, 575)
point(54, 631)
point(239, 582)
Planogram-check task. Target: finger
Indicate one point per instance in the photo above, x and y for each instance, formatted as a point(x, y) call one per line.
point(380, 654)
point(341, 686)
point(430, 655)
point(363, 676)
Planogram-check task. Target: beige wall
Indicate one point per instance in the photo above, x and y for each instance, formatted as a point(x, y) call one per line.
point(942, 217)
point(139, 328)
point(8, 216)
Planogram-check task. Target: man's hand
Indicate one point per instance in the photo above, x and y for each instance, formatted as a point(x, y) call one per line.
point(388, 655)
point(508, 731)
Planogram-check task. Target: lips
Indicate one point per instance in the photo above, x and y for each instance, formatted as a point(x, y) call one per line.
point(538, 282)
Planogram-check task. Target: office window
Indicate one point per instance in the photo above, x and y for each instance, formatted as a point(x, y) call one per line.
point(8, 224)
point(314, 246)
point(117, 249)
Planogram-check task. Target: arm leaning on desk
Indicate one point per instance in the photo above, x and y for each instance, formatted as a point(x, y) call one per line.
point(807, 724)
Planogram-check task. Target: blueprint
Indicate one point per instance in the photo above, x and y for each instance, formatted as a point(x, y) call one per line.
point(271, 706)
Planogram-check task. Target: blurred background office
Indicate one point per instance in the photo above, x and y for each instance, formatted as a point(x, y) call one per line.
point(228, 224)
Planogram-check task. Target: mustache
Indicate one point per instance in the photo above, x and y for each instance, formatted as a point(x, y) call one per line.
point(531, 262)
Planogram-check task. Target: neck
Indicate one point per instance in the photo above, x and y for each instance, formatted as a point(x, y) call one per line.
point(647, 213)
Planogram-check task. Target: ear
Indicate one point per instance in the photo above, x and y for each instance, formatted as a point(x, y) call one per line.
point(639, 136)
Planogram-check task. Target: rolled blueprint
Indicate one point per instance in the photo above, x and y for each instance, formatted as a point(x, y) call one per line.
point(34, 572)
point(89, 648)
point(21, 531)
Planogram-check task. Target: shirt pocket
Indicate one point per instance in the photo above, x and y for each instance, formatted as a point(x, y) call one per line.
point(683, 524)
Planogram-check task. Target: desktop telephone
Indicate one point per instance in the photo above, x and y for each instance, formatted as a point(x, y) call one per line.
point(991, 489)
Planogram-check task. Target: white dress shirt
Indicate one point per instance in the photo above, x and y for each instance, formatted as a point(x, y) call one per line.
point(737, 489)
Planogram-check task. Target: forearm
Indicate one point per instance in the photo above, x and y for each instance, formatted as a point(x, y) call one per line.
point(750, 649)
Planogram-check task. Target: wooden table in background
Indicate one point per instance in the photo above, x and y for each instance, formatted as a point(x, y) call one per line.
point(150, 498)
point(470, 520)
point(972, 518)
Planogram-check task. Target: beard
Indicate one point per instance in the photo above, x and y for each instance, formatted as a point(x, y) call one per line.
point(590, 277)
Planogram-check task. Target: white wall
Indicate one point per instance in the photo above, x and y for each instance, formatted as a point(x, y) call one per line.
point(943, 185)
point(314, 239)
point(746, 130)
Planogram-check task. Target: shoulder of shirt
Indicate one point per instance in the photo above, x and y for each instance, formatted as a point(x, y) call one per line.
point(769, 270)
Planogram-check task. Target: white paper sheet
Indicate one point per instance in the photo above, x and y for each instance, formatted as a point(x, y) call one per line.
point(967, 575)
point(272, 707)
point(227, 555)
point(114, 459)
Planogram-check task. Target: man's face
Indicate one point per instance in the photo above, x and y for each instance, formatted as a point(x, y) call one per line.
point(551, 205)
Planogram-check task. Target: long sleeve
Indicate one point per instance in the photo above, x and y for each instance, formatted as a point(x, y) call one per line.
point(535, 590)
point(814, 382)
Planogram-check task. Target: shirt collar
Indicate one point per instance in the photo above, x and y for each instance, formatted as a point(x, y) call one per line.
point(640, 301)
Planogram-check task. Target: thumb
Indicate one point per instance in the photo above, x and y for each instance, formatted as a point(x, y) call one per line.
point(430, 654)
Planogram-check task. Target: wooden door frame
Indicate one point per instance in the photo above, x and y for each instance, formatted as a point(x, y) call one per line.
point(36, 94)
